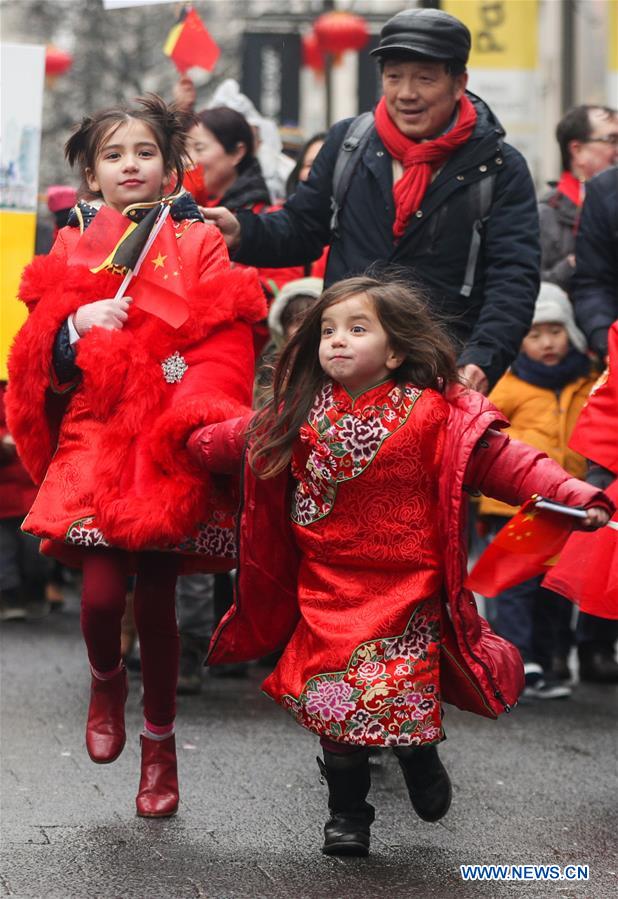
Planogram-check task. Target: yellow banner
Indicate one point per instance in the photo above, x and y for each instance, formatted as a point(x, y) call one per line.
point(613, 35)
point(17, 232)
point(504, 32)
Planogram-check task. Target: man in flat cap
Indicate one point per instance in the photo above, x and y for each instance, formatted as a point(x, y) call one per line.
point(426, 183)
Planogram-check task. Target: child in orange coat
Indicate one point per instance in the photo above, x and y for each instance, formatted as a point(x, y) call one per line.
point(542, 396)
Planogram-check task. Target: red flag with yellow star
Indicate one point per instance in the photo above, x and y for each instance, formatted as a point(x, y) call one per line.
point(158, 287)
point(594, 435)
point(189, 43)
point(527, 546)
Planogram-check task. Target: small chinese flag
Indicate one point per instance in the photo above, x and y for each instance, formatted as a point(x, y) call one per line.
point(587, 571)
point(158, 287)
point(525, 547)
point(101, 239)
point(190, 44)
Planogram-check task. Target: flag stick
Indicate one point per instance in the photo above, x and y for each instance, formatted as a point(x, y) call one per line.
point(564, 510)
point(568, 510)
point(151, 239)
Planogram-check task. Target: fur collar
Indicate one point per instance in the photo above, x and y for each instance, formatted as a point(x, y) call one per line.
point(183, 207)
point(216, 300)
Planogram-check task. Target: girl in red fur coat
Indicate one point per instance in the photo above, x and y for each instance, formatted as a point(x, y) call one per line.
point(102, 398)
point(357, 473)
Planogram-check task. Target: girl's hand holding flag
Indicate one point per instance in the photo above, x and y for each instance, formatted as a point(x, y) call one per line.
point(109, 313)
point(148, 255)
point(531, 543)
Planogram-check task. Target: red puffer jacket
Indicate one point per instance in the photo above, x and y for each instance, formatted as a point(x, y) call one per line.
point(481, 672)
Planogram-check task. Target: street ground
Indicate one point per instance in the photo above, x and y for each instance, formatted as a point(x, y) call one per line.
point(537, 787)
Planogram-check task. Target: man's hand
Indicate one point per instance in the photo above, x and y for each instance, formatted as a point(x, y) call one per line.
point(597, 517)
point(184, 93)
point(109, 314)
point(226, 222)
point(474, 377)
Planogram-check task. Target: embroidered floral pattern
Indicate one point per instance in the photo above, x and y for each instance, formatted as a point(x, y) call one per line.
point(331, 700)
point(388, 694)
point(361, 439)
point(83, 533)
point(322, 405)
point(217, 537)
point(340, 445)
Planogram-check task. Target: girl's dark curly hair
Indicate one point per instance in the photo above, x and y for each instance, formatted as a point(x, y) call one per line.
point(413, 330)
point(168, 123)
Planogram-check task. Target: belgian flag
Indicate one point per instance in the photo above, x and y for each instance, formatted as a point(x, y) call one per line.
point(109, 228)
point(112, 241)
point(190, 44)
point(127, 251)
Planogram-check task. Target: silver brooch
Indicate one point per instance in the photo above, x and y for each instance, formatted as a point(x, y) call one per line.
point(174, 368)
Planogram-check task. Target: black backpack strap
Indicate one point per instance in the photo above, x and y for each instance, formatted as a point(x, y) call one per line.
point(350, 152)
point(481, 195)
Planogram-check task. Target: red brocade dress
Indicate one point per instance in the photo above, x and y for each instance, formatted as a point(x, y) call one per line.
point(362, 665)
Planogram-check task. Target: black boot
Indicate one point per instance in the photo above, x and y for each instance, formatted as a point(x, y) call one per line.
point(347, 830)
point(428, 783)
point(597, 662)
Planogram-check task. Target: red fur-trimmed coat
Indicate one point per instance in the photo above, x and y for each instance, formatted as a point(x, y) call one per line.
point(109, 450)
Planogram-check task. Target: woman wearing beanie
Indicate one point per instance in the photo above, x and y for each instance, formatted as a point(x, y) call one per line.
point(542, 396)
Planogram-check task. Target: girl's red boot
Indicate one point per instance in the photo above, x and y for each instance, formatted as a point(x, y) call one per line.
point(105, 733)
point(158, 786)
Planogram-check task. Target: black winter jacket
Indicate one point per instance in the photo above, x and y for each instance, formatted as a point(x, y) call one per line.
point(491, 315)
point(248, 190)
point(595, 283)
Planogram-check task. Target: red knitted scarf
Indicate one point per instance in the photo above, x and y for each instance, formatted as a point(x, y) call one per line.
point(419, 159)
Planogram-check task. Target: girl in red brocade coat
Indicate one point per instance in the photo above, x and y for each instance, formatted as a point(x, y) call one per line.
point(364, 586)
point(102, 398)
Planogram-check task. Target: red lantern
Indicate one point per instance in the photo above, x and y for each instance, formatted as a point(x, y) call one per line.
point(339, 31)
point(312, 56)
point(57, 62)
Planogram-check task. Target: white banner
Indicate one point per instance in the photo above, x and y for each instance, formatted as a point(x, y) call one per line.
point(122, 4)
point(22, 71)
point(512, 94)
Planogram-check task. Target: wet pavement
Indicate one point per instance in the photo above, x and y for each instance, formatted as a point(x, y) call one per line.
point(537, 787)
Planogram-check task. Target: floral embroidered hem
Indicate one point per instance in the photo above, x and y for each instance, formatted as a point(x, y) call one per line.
point(216, 538)
point(387, 696)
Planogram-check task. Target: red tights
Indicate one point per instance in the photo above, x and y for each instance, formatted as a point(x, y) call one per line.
point(103, 602)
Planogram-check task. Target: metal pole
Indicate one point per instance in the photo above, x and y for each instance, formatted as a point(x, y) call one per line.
point(568, 55)
point(328, 84)
point(328, 6)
